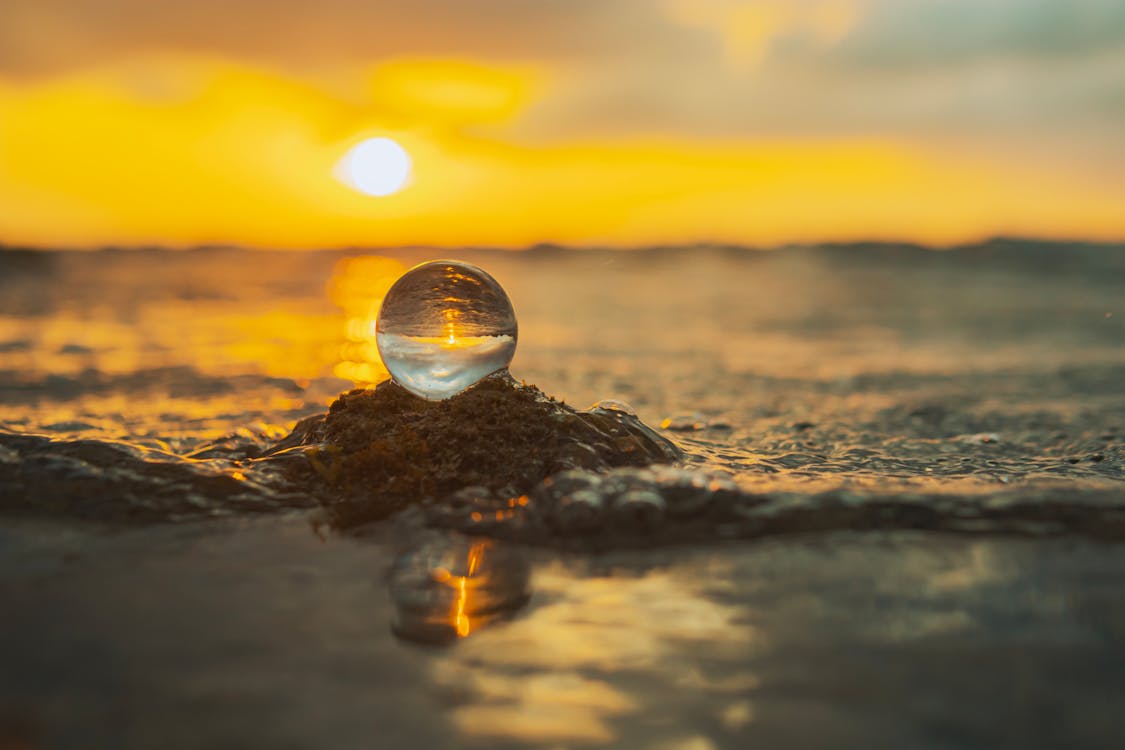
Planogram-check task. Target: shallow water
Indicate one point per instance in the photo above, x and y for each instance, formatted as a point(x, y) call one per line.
point(973, 392)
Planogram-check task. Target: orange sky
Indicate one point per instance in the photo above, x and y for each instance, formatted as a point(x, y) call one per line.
point(148, 121)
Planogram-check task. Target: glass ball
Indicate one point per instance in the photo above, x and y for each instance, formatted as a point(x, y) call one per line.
point(443, 326)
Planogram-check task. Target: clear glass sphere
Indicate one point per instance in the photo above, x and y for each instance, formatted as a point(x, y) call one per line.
point(443, 326)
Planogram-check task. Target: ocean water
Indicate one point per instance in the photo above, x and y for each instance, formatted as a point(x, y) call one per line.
point(934, 554)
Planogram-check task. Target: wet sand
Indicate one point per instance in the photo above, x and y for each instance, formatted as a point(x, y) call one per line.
point(257, 634)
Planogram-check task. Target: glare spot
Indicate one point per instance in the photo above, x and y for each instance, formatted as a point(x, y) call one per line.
point(377, 166)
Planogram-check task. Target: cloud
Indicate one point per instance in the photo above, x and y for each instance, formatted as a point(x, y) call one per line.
point(40, 37)
point(884, 68)
point(945, 34)
point(726, 67)
point(749, 30)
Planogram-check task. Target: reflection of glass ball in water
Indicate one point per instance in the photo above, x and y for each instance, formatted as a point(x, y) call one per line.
point(443, 326)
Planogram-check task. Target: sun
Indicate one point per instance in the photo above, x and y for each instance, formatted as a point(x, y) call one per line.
point(376, 166)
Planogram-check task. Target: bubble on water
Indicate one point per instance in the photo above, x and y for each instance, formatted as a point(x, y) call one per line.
point(613, 406)
point(641, 509)
point(577, 511)
point(443, 326)
point(684, 423)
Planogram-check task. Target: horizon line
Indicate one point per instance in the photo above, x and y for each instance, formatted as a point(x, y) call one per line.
point(546, 246)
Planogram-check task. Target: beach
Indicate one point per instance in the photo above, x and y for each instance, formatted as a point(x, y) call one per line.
point(933, 439)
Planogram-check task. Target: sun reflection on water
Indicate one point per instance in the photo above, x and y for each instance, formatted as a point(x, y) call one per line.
point(358, 286)
point(185, 347)
point(543, 677)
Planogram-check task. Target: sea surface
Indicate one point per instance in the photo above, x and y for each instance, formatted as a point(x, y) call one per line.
point(934, 554)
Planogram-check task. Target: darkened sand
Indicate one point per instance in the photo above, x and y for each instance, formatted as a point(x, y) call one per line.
point(258, 634)
point(924, 549)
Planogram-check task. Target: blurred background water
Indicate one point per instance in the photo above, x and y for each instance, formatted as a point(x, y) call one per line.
point(993, 370)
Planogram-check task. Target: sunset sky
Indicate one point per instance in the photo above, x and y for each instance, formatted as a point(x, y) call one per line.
point(621, 122)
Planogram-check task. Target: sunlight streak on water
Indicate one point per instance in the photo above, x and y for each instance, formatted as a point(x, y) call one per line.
point(540, 677)
point(358, 286)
